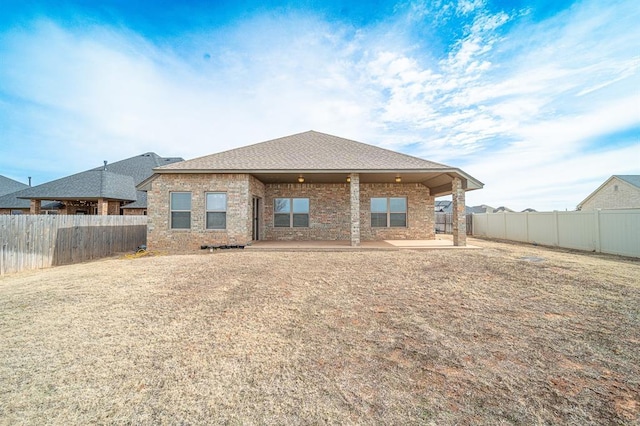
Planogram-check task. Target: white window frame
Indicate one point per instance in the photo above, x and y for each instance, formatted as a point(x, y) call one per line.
point(172, 210)
point(207, 210)
point(389, 212)
point(292, 212)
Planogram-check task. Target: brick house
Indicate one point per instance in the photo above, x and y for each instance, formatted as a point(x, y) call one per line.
point(106, 190)
point(617, 192)
point(308, 186)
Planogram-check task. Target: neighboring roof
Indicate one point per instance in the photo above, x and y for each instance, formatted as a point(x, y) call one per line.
point(446, 206)
point(140, 203)
point(7, 186)
point(139, 167)
point(502, 209)
point(114, 181)
point(481, 209)
point(443, 206)
point(11, 201)
point(89, 185)
point(319, 156)
point(633, 180)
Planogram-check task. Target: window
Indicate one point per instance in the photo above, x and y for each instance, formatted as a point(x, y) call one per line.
point(216, 210)
point(180, 210)
point(388, 212)
point(291, 212)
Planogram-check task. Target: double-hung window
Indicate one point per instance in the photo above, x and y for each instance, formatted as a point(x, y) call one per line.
point(180, 210)
point(291, 212)
point(388, 212)
point(216, 210)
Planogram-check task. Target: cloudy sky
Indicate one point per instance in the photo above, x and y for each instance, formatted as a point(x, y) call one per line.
point(540, 100)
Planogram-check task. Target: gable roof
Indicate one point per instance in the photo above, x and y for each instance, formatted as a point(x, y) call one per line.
point(7, 186)
point(115, 181)
point(323, 158)
point(633, 180)
point(311, 151)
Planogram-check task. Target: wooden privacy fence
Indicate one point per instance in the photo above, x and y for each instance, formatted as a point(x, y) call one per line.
point(444, 223)
point(40, 241)
point(606, 231)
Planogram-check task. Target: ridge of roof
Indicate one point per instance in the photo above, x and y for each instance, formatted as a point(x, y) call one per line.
point(309, 150)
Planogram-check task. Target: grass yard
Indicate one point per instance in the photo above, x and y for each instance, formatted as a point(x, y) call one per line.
point(505, 334)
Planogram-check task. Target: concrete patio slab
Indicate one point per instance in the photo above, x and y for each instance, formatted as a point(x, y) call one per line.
point(441, 242)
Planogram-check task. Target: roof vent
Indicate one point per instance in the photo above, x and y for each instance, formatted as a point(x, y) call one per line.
point(105, 165)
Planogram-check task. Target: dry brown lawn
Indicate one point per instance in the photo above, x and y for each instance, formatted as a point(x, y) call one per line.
point(505, 334)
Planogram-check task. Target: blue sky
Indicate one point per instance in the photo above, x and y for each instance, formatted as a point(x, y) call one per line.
point(540, 100)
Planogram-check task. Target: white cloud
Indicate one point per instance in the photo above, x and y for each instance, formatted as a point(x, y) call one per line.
point(510, 100)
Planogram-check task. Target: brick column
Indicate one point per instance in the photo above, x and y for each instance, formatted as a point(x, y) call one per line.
point(36, 207)
point(355, 209)
point(103, 207)
point(459, 219)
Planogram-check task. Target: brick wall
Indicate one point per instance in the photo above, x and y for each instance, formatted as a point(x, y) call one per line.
point(8, 211)
point(329, 211)
point(134, 212)
point(624, 197)
point(237, 187)
point(420, 212)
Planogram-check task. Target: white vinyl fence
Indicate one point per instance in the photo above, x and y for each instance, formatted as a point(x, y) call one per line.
point(40, 241)
point(606, 231)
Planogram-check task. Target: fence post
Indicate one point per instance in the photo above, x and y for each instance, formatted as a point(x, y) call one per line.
point(597, 230)
point(556, 228)
point(504, 225)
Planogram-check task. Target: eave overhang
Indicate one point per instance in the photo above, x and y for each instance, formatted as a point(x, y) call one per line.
point(437, 180)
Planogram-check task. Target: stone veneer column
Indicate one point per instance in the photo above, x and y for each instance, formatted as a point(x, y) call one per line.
point(355, 209)
point(36, 207)
point(459, 219)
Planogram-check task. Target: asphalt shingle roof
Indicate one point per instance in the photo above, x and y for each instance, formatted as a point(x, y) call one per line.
point(91, 184)
point(139, 167)
point(632, 179)
point(11, 201)
point(117, 182)
point(140, 203)
point(312, 151)
point(7, 186)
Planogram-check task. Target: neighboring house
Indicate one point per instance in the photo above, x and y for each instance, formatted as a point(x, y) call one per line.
point(7, 186)
point(9, 203)
point(483, 208)
point(617, 192)
point(503, 209)
point(308, 186)
point(529, 210)
point(446, 206)
point(105, 190)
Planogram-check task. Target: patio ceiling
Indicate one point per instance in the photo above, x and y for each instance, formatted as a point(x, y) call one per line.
point(439, 182)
